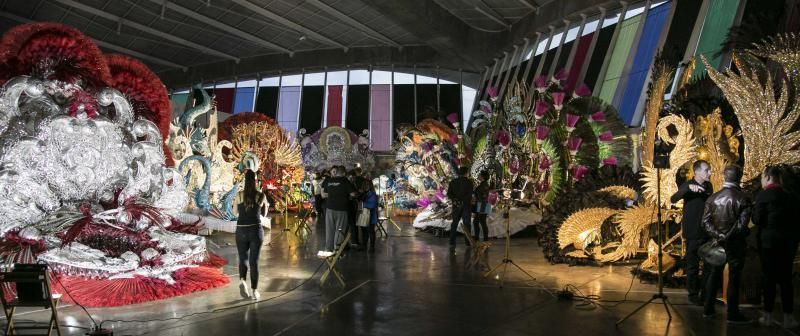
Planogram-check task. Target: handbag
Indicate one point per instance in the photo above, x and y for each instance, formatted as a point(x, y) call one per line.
point(481, 208)
point(363, 217)
point(713, 253)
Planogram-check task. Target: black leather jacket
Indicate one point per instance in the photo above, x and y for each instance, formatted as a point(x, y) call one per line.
point(727, 214)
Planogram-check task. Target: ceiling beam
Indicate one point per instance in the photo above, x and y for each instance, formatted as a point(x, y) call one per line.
point(311, 60)
point(139, 55)
point(490, 13)
point(529, 4)
point(222, 26)
point(436, 26)
point(146, 29)
point(288, 23)
point(353, 22)
point(107, 45)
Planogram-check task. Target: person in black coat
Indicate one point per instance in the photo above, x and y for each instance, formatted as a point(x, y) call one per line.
point(725, 218)
point(694, 194)
point(777, 244)
point(460, 194)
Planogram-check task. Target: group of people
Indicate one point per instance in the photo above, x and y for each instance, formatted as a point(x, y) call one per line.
point(723, 219)
point(467, 199)
point(339, 197)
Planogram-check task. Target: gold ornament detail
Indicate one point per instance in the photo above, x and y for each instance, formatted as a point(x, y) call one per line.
point(783, 49)
point(275, 149)
point(619, 191)
point(631, 222)
point(684, 151)
point(661, 78)
point(651, 263)
point(766, 119)
point(686, 75)
point(582, 228)
point(716, 145)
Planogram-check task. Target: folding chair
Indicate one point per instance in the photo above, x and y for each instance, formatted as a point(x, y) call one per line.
point(32, 287)
point(380, 227)
point(388, 213)
point(332, 260)
point(304, 216)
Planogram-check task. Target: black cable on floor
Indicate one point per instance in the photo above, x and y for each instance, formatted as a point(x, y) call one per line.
point(592, 301)
point(94, 323)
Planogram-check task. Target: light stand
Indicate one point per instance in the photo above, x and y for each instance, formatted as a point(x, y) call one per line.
point(389, 201)
point(660, 295)
point(506, 255)
point(286, 227)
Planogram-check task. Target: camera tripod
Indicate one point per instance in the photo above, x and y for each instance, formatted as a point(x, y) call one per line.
point(506, 255)
point(660, 295)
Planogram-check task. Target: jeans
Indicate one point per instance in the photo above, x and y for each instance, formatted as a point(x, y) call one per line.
point(368, 234)
point(735, 248)
point(319, 206)
point(248, 244)
point(777, 264)
point(352, 214)
point(461, 212)
point(335, 228)
point(694, 279)
point(479, 226)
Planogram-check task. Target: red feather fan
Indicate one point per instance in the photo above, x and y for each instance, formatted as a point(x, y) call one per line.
point(145, 92)
point(214, 261)
point(60, 51)
point(138, 289)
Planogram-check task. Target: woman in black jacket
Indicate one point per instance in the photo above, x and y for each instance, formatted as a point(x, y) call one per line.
point(777, 244)
point(249, 235)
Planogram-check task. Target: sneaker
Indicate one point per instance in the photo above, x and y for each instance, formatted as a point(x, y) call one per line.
point(256, 295)
point(324, 254)
point(709, 313)
point(738, 318)
point(789, 322)
point(695, 300)
point(244, 290)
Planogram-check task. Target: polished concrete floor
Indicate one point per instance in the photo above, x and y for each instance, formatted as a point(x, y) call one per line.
point(412, 285)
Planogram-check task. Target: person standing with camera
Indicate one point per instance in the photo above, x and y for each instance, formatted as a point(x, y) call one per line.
point(694, 194)
point(339, 192)
point(460, 194)
point(725, 218)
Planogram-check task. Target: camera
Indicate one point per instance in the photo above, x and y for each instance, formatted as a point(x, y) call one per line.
point(512, 194)
point(661, 161)
point(660, 154)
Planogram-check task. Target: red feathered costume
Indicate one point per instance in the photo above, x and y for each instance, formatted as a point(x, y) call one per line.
point(53, 51)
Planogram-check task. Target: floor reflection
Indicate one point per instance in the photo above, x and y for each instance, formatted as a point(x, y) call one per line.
point(413, 284)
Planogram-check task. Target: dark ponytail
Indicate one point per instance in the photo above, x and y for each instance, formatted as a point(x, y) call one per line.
point(252, 197)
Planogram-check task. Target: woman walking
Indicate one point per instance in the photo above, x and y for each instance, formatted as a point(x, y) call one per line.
point(249, 235)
